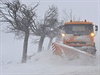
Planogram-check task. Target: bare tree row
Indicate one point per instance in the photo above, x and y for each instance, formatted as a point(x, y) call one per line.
point(22, 20)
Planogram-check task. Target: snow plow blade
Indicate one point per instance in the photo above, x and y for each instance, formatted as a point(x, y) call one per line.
point(70, 52)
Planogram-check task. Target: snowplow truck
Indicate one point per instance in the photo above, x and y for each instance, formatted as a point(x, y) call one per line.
point(77, 37)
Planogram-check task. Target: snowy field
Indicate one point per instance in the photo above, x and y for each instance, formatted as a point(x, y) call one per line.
point(45, 63)
point(48, 69)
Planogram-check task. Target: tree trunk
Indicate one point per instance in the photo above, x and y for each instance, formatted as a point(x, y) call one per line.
point(50, 43)
point(40, 43)
point(25, 46)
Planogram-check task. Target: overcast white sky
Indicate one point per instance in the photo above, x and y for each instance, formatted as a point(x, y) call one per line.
point(10, 48)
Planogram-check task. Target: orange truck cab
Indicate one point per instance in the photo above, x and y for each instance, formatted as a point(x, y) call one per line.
point(79, 33)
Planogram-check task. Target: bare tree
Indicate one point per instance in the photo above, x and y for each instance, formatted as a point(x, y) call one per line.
point(44, 27)
point(38, 29)
point(20, 18)
point(51, 17)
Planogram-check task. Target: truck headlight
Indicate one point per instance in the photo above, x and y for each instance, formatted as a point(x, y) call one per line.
point(63, 35)
point(92, 34)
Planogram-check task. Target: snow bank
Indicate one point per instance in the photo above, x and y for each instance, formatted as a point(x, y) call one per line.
point(45, 63)
point(47, 56)
point(48, 69)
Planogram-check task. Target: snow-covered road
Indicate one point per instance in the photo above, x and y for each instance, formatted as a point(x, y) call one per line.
point(45, 63)
point(48, 69)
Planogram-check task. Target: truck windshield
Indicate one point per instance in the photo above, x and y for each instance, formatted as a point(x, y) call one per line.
point(80, 29)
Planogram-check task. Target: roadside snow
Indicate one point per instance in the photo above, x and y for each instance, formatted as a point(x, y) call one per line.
point(48, 69)
point(45, 63)
point(47, 56)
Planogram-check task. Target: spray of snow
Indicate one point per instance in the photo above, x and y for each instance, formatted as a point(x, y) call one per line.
point(46, 63)
point(47, 56)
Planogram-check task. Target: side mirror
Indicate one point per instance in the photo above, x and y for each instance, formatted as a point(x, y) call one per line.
point(96, 28)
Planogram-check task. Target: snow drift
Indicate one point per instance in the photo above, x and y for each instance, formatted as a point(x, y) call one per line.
point(47, 56)
point(46, 63)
